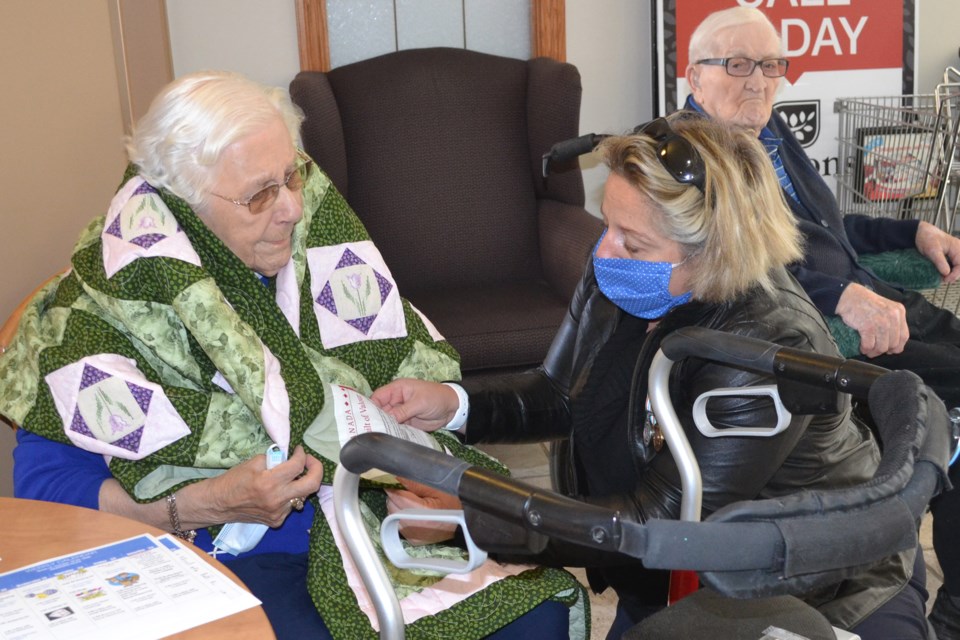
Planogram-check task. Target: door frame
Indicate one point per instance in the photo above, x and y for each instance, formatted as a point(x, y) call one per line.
point(547, 25)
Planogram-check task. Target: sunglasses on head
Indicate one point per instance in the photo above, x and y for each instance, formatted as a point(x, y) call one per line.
point(676, 154)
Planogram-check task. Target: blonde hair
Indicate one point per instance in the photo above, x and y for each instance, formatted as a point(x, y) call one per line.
point(735, 232)
point(703, 39)
point(190, 123)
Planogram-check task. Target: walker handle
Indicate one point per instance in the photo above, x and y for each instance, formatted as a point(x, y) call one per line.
point(399, 457)
point(508, 499)
point(786, 363)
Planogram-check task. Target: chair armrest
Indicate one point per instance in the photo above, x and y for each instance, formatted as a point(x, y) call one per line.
point(9, 327)
point(567, 236)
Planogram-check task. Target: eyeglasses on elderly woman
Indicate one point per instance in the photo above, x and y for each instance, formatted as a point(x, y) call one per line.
point(676, 154)
point(264, 198)
point(743, 67)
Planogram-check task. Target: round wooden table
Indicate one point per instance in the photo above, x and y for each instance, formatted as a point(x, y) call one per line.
point(32, 531)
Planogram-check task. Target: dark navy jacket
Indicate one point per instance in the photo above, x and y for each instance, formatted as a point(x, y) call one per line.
point(833, 241)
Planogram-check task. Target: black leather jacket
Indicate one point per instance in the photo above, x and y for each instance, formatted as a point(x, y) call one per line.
point(814, 452)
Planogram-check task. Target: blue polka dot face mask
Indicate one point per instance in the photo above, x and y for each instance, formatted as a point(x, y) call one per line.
point(639, 287)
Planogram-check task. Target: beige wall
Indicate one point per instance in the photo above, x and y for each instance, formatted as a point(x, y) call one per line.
point(62, 154)
point(255, 37)
point(616, 69)
point(62, 149)
point(141, 54)
point(938, 42)
point(63, 125)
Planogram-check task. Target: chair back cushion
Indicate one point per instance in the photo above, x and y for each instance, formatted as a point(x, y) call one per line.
point(439, 151)
point(441, 161)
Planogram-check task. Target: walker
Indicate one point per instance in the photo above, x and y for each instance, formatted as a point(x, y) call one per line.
point(749, 555)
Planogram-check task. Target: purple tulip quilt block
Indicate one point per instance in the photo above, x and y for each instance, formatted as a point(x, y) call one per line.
point(355, 297)
point(138, 225)
point(108, 407)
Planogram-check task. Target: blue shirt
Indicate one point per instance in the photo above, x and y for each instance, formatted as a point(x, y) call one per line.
point(771, 143)
point(47, 470)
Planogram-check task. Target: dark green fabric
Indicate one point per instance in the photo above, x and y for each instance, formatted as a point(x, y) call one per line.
point(905, 268)
point(847, 338)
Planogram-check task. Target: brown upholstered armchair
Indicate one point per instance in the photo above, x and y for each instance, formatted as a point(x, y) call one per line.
point(439, 153)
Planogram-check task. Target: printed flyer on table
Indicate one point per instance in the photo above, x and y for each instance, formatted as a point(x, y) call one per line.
point(143, 587)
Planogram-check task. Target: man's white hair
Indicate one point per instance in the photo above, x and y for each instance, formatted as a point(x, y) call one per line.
point(703, 40)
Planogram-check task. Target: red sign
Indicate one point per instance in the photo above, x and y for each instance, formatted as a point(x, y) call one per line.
point(817, 35)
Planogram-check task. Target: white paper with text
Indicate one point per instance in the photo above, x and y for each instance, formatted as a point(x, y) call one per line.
point(142, 587)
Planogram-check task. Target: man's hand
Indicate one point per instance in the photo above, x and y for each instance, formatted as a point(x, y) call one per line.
point(881, 323)
point(940, 248)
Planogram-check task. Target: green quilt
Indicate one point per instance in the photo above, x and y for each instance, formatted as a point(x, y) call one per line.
point(161, 350)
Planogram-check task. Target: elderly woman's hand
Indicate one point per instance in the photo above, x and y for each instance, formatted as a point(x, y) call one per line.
point(250, 492)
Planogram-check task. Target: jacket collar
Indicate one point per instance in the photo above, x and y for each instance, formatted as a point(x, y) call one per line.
point(805, 178)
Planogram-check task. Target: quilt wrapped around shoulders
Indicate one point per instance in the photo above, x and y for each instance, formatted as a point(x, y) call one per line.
point(162, 351)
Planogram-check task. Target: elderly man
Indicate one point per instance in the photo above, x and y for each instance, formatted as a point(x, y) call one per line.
point(736, 66)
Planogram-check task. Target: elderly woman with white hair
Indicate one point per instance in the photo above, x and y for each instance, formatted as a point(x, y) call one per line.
point(200, 327)
point(697, 234)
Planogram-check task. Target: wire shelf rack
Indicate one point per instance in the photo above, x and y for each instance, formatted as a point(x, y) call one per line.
point(899, 158)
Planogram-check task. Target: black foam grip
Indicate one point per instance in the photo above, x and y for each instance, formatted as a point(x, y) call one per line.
point(570, 149)
point(402, 458)
point(747, 353)
point(831, 372)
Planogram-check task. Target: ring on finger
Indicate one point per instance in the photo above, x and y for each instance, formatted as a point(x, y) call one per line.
point(297, 504)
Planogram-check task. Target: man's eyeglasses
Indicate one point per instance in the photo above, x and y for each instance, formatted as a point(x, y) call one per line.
point(264, 199)
point(677, 155)
point(743, 67)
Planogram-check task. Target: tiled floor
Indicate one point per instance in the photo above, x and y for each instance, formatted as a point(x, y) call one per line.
point(530, 463)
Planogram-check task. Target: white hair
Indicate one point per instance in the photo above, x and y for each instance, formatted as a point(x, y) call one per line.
point(703, 40)
point(190, 123)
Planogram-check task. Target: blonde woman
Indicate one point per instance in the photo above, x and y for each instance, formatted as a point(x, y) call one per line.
point(698, 234)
